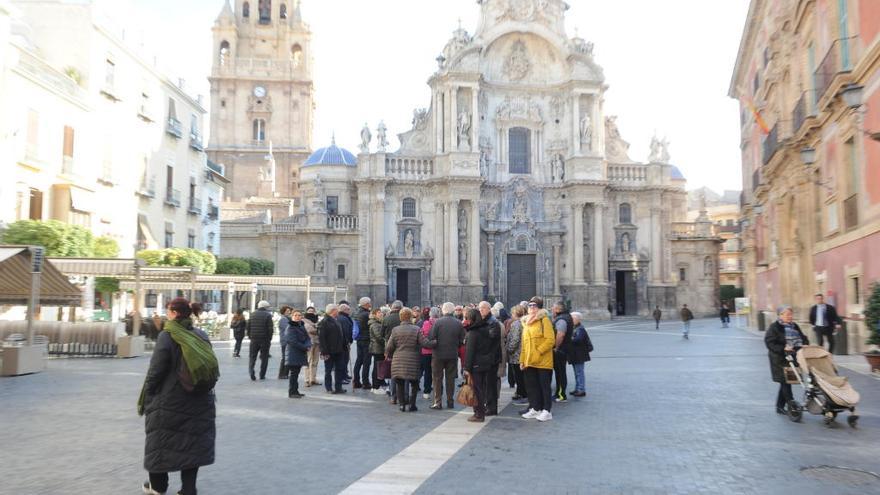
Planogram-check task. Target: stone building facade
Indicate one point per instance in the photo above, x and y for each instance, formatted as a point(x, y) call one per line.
point(511, 183)
point(262, 97)
point(808, 80)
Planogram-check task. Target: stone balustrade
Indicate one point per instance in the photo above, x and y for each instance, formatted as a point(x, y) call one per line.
point(628, 173)
point(342, 222)
point(409, 168)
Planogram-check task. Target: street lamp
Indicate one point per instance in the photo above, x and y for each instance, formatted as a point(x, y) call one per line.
point(852, 95)
point(808, 155)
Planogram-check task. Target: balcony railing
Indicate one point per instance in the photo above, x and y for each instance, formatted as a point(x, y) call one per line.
point(106, 176)
point(409, 168)
point(147, 187)
point(802, 111)
point(195, 206)
point(771, 144)
point(342, 222)
point(851, 212)
point(195, 142)
point(628, 173)
point(172, 197)
point(838, 60)
point(174, 128)
point(213, 212)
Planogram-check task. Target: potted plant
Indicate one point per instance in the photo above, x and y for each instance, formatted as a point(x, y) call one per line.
point(872, 319)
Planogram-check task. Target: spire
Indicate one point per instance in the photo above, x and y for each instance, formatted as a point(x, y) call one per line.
point(333, 139)
point(227, 14)
point(297, 11)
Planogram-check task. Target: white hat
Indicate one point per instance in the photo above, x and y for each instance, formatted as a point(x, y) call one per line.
point(263, 304)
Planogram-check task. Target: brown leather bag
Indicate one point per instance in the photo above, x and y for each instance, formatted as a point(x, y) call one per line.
point(466, 395)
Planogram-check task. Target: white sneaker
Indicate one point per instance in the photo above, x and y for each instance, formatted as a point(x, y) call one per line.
point(148, 489)
point(426, 396)
point(544, 416)
point(378, 391)
point(532, 414)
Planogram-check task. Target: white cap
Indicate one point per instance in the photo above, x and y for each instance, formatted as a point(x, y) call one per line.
point(263, 304)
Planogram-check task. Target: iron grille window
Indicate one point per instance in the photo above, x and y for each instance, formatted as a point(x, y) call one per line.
point(520, 150)
point(409, 208)
point(340, 272)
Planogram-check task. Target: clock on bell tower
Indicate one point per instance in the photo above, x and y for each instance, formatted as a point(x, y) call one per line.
point(261, 93)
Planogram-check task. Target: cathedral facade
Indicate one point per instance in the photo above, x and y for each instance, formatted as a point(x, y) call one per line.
point(511, 183)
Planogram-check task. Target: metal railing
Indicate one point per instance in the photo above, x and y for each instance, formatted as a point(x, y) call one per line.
point(195, 142)
point(195, 205)
point(213, 212)
point(771, 144)
point(147, 187)
point(174, 127)
point(802, 110)
point(107, 173)
point(172, 197)
point(837, 61)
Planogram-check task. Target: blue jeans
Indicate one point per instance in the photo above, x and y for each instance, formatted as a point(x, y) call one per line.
point(687, 327)
point(579, 385)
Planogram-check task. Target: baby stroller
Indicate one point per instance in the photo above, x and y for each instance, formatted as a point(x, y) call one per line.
point(825, 392)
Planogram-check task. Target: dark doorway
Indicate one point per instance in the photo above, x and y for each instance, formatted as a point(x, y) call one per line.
point(409, 287)
point(626, 293)
point(521, 278)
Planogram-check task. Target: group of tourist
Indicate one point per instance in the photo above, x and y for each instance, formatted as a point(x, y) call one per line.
point(403, 351)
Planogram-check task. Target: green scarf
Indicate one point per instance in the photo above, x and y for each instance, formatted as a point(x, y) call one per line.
point(197, 354)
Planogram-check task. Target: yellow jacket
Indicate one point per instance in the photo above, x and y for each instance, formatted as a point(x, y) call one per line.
point(538, 340)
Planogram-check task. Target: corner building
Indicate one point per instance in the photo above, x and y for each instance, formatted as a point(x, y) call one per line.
point(512, 183)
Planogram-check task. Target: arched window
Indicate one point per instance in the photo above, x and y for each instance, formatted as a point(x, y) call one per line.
point(522, 243)
point(296, 54)
point(625, 213)
point(246, 10)
point(224, 53)
point(265, 11)
point(259, 130)
point(409, 208)
point(520, 150)
point(283, 14)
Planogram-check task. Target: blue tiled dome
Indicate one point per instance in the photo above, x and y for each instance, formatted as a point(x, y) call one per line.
point(676, 174)
point(331, 155)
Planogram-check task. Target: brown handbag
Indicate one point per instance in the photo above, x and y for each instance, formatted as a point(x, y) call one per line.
point(466, 395)
point(383, 371)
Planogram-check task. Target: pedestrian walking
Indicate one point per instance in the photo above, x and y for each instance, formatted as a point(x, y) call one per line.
point(364, 357)
point(283, 326)
point(404, 350)
point(657, 316)
point(725, 315)
point(579, 354)
point(260, 328)
point(377, 348)
point(686, 316)
point(332, 350)
point(564, 326)
point(445, 338)
point(514, 347)
point(347, 325)
point(479, 363)
point(499, 358)
point(426, 370)
point(825, 321)
point(783, 337)
point(239, 327)
point(536, 360)
point(392, 321)
point(177, 400)
point(298, 345)
point(310, 320)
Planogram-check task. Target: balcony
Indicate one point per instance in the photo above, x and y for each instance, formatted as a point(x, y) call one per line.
point(342, 222)
point(195, 206)
point(838, 60)
point(106, 176)
point(213, 212)
point(628, 173)
point(144, 114)
point(771, 144)
point(172, 197)
point(174, 128)
point(111, 92)
point(802, 111)
point(851, 212)
point(195, 142)
point(409, 168)
point(147, 187)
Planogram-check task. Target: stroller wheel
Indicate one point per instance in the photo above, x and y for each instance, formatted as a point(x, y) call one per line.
point(853, 421)
point(795, 413)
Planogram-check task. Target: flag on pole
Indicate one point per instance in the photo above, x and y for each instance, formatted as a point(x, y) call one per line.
point(762, 124)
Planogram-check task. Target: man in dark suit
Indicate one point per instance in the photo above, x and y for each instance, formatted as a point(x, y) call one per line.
point(825, 322)
point(260, 328)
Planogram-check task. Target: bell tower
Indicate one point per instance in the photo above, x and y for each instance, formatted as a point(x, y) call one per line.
point(262, 94)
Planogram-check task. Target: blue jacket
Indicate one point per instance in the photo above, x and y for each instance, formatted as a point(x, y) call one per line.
point(283, 324)
point(298, 344)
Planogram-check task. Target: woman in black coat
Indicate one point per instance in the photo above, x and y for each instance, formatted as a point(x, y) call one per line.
point(479, 359)
point(298, 345)
point(782, 337)
point(239, 325)
point(180, 425)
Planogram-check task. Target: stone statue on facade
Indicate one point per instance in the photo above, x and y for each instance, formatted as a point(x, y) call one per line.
point(557, 168)
point(664, 151)
point(708, 267)
point(521, 206)
point(464, 131)
point(586, 131)
point(318, 262)
point(420, 119)
point(656, 151)
point(389, 251)
point(366, 137)
point(517, 65)
point(462, 222)
point(409, 244)
point(625, 243)
point(492, 211)
point(382, 137)
point(462, 255)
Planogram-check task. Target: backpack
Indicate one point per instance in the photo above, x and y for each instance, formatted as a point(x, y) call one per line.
point(186, 380)
point(355, 329)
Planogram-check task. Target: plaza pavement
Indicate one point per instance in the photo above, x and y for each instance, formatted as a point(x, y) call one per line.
point(662, 416)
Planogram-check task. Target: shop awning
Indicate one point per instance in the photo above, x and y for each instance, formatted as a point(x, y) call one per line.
point(81, 200)
point(145, 235)
point(15, 280)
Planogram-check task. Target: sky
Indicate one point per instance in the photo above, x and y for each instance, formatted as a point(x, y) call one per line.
point(668, 64)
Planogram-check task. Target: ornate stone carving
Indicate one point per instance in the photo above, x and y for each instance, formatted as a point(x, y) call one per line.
point(318, 262)
point(521, 205)
point(615, 147)
point(655, 155)
point(408, 244)
point(557, 107)
point(464, 131)
point(260, 105)
point(485, 155)
point(625, 243)
point(420, 119)
point(517, 65)
point(519, 108)
point(366, 137)
point(557, 168)
point(382, 137)
point(483, 103)
point(557, 144)
point(586, 131)
point(492, 212)
point(389, 251)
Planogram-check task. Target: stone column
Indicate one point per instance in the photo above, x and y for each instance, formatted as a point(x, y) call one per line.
point(656, 246)
point(453, 119)
point(556, 266)
point(474, 246)
point(475, 120)
point(569, 255)
point(491, 271)
point(576, 118)
point(379, 245)
point(578, 244)
point(439, 272)
point(452, 234)
point(600, 264)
